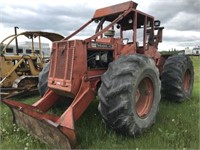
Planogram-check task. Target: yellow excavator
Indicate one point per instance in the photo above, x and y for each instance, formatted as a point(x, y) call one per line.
point(20, 67)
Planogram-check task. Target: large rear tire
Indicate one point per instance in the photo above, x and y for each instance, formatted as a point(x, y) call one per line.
point(130, 94)
point(43, 79)
point(177, 78)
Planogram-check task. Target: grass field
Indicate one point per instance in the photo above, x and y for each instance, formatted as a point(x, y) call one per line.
point(177, 127)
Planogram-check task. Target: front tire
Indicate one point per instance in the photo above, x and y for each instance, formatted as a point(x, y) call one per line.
point(130, 94)
point(177, 78)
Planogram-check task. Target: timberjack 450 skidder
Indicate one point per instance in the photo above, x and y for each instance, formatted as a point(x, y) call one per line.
point(122, 63)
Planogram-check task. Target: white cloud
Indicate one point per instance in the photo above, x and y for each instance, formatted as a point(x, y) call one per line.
point(64, 16)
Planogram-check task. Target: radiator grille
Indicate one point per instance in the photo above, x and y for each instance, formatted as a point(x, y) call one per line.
point(61, 61)
point(69, 67)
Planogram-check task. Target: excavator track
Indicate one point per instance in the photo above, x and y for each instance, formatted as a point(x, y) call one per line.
point(26, 82)
point(22, 86)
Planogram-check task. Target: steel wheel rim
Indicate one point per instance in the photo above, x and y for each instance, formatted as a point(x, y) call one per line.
point(144, 97)
point(186, 81)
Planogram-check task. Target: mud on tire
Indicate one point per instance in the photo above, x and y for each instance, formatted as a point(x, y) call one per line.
point(177, 78)
point(43, 79)
point(130, 94)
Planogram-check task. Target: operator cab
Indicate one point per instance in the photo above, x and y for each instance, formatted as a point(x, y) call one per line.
point(120, 30)
point(135, 29)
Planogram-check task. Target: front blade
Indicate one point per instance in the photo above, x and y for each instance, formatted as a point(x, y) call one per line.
point(36, 123)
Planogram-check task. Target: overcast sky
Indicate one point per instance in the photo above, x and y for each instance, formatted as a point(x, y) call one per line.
point(181, 18)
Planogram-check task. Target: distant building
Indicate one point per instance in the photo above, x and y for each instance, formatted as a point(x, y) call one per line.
point(26, 48)
point(188, 51)
point(196, 51)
